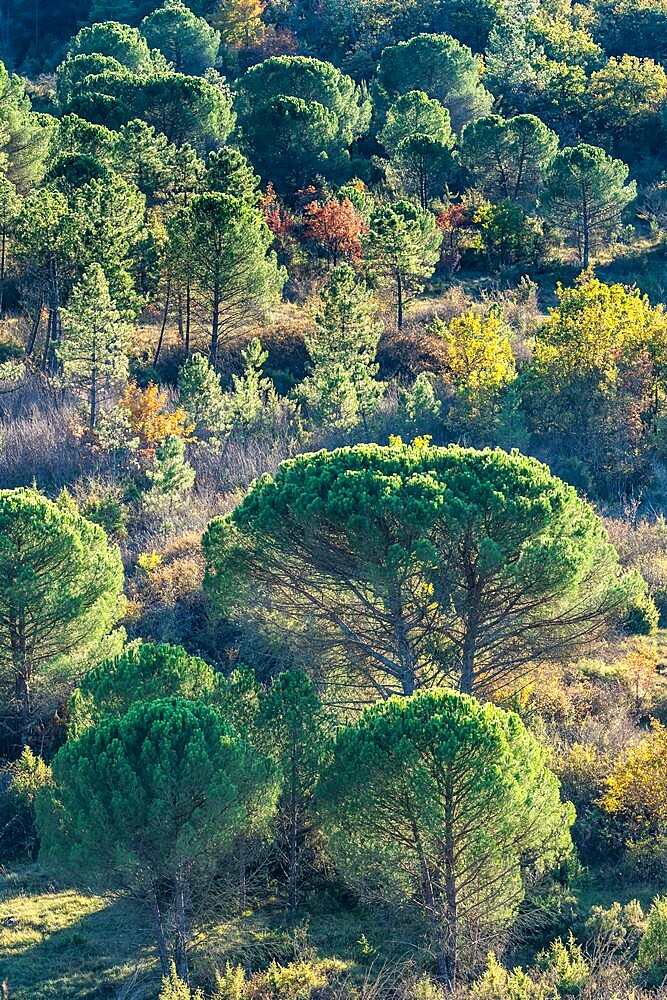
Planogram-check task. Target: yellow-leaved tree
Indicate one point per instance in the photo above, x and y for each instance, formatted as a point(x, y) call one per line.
point(595, 392)
point(636, 795)
point(479, 369)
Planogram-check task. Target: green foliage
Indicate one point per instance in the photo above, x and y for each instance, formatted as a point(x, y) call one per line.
point(420, 167)
point(229, 172)
point(652, 957)
point(223, 243)
point(479, 367)
point(416, 113)
point(497, 983)
point(585, 192)
point(115, 41)
point(185, 40)
point(342, 387)
point(598, 360)
point(566, 966)
point(60, 597)
point(292, 727)
point(392, 803)
point(24, 135)
point(108, 216)
point(418, 406)
point(201, 394)
point(253, 402)
point(439, 66)
point(175, 988)
point(187, 109)
point(419, 139)
point(425, 565)
point(93, 351)
point(299, 117)
point(145, 158)
point(172, 475)
point(403, 244)
point(230, 985)
point(143, 672)
point(156, 799)
point(626, 97)
point(507, 158)
point(508, 235)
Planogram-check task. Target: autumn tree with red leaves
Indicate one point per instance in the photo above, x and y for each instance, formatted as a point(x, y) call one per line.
point(336, 227)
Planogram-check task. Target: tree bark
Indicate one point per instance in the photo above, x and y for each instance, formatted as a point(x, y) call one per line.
point(158, 928)
point(399, 295)
point(181, 935)
point(34, 330)
point(243, 886)
point(215, 326)
point(451, 889)
point(3, 259)
point(439, 953)
point(93, 389)
point(188, 312)
point(164, 323)
point(293, 846)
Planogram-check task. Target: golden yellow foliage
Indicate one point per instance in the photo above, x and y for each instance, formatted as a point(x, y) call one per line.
point(595, 326)
point(479, 354)
point(240, 21)
point(149, 418)
point(637, 787)
point(639, 671)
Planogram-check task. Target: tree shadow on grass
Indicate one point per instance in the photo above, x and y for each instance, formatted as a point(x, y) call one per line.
point(66, 944)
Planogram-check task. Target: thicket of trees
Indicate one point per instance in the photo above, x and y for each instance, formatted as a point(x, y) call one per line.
point(333, 442)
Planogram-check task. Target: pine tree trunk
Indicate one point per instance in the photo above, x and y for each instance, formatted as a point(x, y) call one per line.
point(164, 323)
point(34, 330)
point(93, 389)
point(181, 937)
point(3, 259)
point(293, 847)
point(22, 665)
point(158, 928)
point(399, 294)
point(215, 326)
point(188, 312)
point(439, 952)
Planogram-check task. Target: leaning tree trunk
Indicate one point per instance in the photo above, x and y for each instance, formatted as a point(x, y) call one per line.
point(164, 324)
point(158, 929)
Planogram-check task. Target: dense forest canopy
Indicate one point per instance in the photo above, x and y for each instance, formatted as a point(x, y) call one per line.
point(333, 476)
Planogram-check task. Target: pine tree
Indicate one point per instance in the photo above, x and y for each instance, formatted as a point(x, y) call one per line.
point(93, 352)
point(419, 404)
point(10, 205)
point(172, 475)
point(61, 589)
point(253, 402)
point(585, 192)
point(403, 244)
point(201, 394)
point(250, 390)
point(342, 349)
